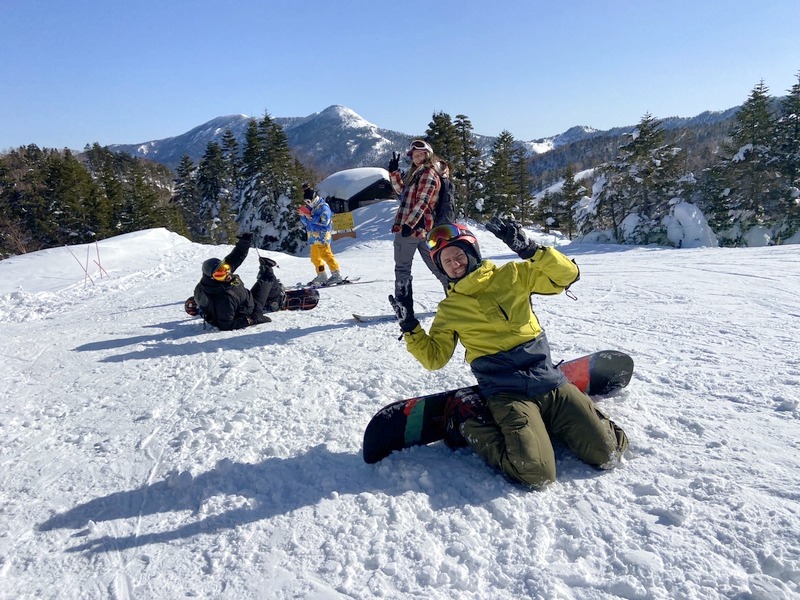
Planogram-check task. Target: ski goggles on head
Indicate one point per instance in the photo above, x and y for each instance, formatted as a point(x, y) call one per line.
point(222, 272)
point(419, 145)
point(439, 236)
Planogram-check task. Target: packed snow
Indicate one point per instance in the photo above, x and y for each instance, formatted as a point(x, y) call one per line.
point(145, 456)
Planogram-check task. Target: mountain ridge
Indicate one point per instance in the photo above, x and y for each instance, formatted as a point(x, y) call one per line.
point(337, 138)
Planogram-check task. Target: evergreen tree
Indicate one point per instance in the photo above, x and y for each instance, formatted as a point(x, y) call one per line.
point(467, 169)
point(69, 191)
point(232, 183)
point(16, 236)
point(271, 188)
point(501, 186)
point(546, 211)
point(443, 136)
point(186, 197)
point(787, 143)
point(105, 170)
point(523, 182)
point(641, 183)
point(750, 170)
point(571, 193)
point(210, 185)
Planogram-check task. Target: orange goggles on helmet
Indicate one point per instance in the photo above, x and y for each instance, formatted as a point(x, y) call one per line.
point(439, 236)
point(222, 272)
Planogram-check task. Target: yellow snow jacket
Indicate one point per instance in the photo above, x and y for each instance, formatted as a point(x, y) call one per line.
point(490, 312)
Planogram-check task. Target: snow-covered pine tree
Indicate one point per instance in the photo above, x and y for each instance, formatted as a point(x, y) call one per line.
point(500, 196)
point(571, 193)
point(213, 212)
point(186, 196)
point(468, 169)
point(750, 170)
point(444, 138)
point(271, 179)
point(639, 186)
point(787, 142)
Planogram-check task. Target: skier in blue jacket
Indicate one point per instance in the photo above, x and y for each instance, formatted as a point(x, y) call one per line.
point(317, 218)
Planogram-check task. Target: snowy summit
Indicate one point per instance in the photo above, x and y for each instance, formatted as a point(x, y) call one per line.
point(147, 457)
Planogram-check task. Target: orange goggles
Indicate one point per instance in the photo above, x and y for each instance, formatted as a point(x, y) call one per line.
point(222, 273)
point(443, 234)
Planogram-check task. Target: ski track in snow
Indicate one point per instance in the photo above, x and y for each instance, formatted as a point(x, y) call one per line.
point(146, 457)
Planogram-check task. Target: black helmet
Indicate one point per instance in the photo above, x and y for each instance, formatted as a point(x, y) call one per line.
point(210, 265)
point(454, 234)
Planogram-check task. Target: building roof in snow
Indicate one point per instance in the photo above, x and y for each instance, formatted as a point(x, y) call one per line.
point(346, 184)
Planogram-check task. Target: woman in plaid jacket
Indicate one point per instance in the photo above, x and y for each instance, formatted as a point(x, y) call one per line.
point(418, 190)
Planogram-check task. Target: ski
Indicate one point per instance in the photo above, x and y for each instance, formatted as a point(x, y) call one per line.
point(374, 318)
point(386, 318)
point(345, 281)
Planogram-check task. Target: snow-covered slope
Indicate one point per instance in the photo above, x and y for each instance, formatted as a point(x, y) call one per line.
point(146, 457)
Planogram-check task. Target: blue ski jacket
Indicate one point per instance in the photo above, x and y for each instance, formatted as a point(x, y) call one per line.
point(320, 223)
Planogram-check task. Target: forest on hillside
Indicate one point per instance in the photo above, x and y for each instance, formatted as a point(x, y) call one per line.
point(740, 176)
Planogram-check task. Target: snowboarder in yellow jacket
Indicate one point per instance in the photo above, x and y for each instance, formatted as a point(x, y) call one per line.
point(529, 401)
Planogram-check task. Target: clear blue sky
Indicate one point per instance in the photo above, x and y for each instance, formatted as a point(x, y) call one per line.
point(74, 72)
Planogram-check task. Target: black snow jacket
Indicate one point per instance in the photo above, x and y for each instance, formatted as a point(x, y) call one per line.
point(227, 304)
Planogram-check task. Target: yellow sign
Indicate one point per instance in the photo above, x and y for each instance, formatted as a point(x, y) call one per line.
point(343, 225)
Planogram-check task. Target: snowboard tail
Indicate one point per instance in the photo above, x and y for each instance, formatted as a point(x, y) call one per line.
point(419, 421)
point(300, 299)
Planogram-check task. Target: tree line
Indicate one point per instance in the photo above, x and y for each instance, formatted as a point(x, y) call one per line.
point(51, 197)
point(752, 179)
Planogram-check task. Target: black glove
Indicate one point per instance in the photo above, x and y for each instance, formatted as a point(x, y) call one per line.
point(258, 318)
point(405, 313)
point(406, 231)
point(394, 164)
point(246, 237)
point(241, 321)
point(513, 235)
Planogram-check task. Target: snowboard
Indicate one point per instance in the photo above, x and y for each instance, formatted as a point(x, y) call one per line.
point(295, 299)
point(419, 421)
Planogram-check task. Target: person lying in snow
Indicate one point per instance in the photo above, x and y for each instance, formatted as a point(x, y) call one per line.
point(224, 300)
point(528, 400)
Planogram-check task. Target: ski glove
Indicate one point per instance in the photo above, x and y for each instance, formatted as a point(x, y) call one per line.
point(405, 314)
point(513, 235)
point(246, 237)
point(394, 164)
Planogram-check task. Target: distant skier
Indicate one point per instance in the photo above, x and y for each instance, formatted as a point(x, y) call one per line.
point(529, 400)
point(224, 300)
point(419, 192)
point(317, 218)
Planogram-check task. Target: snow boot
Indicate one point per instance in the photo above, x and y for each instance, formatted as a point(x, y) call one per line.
point(464, 404)
point(320, 279)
